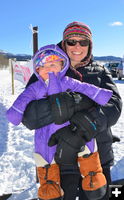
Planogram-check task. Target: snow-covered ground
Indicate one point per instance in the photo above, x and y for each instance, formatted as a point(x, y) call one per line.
point(17, 167)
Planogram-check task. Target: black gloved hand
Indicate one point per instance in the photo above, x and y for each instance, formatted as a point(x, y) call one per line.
point(84, 125)
point(68, 145)
point(89, 123)
point(37, 114)
point(65, 104)
point(115, 138)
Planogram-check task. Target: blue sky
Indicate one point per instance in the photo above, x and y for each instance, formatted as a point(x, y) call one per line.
point(105, 18)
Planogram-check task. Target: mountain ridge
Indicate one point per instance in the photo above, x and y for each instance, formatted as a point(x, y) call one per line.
point(28, 57)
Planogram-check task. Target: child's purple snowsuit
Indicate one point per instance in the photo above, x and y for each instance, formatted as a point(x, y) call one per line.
point(39, 90)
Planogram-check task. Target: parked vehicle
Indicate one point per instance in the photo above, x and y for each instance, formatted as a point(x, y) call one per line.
point(112, 67)
point(120, 71)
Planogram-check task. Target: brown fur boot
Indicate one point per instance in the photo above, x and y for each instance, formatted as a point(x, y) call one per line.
point(94, 181)
point(49, 178)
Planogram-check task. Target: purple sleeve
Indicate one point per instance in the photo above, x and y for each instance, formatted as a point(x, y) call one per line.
point(14, 116)
point(99, 95)
point(15, 112)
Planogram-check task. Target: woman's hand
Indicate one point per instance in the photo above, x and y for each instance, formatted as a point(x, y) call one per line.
point(65, 104)
point(89, 123)
point(37, 114)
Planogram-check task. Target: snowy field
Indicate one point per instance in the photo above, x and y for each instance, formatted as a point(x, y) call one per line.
point(17, 168)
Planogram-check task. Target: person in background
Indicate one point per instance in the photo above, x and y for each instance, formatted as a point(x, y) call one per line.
point(77, 43)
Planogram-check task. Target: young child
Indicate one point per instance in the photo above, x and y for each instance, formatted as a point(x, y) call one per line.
point(50, 65)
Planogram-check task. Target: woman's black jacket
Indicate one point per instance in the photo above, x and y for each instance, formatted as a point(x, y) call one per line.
point(38, 113)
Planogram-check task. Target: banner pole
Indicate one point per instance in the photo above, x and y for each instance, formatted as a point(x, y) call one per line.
point(12, 76)
point(35, 48)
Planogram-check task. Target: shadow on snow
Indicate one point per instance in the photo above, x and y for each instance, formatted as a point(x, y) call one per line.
point(3, 129)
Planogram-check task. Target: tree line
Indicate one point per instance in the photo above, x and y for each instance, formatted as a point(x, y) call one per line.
point(4, 61)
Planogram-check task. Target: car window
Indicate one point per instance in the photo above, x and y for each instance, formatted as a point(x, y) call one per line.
point(114, 65)
point(120, 66)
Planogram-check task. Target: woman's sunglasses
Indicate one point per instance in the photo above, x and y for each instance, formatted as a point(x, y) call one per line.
point(74, 42)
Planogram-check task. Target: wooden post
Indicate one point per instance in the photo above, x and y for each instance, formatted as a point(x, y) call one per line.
point(12, 75)
point(35, 39)
point(35, 48)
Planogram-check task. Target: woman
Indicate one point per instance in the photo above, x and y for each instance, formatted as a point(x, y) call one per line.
point(77, 43)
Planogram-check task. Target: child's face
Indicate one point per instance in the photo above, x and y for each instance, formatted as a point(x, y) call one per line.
point(54, 66)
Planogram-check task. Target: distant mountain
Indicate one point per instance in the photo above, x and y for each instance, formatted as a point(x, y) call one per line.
point(2, 52)
point(19, 57)
point(107, 58)
point(22, 57)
